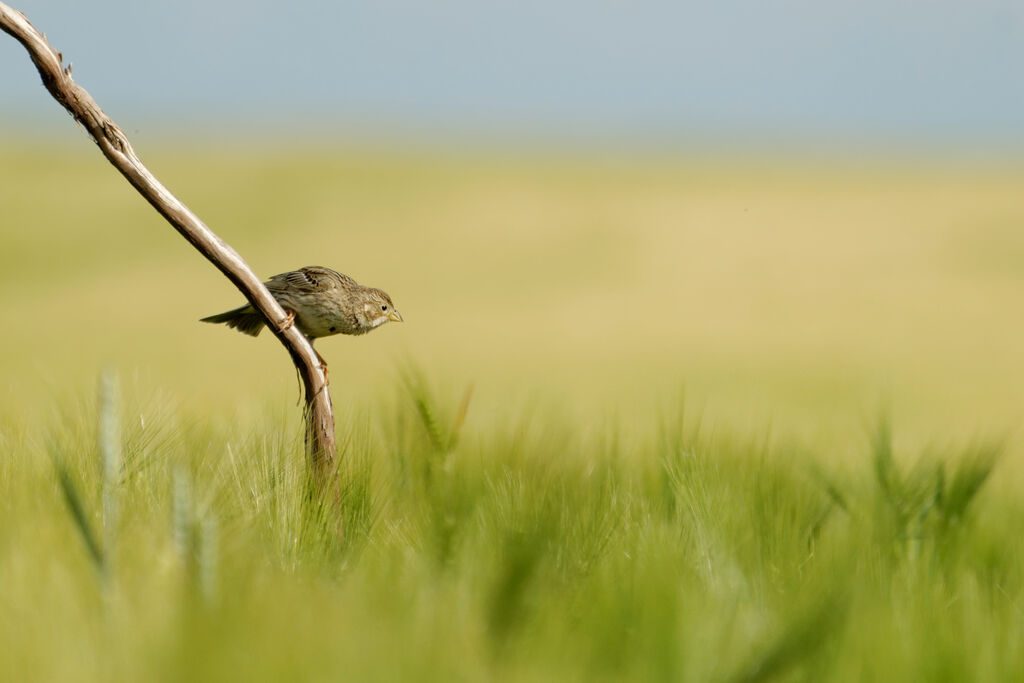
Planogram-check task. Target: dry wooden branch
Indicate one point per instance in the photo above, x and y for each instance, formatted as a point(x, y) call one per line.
point(112, 142)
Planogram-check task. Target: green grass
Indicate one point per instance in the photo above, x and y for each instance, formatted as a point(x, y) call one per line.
point(521, 497)
point(524, 553)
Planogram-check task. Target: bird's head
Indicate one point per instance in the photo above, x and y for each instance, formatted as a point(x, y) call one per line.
point(378, 309)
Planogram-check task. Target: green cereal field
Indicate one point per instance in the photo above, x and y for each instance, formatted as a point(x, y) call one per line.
point(681, 418)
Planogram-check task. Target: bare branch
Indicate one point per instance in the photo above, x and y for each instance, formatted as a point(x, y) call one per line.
point(115, 146)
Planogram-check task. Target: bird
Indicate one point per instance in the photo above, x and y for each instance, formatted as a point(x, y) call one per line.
point(321, 302)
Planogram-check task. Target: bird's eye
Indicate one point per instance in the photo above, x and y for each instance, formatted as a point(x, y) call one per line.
point(384, 307)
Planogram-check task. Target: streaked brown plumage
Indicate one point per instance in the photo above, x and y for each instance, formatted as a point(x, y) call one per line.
point(323, 301)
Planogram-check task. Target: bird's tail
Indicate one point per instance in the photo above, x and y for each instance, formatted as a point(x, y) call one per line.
point(245, 319)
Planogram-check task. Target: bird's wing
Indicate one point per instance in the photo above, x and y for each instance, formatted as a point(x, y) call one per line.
point(304, 280)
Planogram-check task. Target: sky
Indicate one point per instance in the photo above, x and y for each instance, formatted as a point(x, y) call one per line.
point(882, 72)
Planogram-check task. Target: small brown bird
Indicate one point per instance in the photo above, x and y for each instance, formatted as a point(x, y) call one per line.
point(321, 302)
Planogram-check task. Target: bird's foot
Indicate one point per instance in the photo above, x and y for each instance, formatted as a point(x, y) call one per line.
point(286, 323)
point(323, 369)
point(323, 366)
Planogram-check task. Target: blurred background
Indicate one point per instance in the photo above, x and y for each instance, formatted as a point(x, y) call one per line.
point(799, 214)
point(738, 74)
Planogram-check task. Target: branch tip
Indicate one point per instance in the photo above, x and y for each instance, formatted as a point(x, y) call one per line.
point(114, 144)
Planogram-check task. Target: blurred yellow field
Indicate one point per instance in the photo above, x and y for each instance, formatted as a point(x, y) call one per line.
point(791, 298)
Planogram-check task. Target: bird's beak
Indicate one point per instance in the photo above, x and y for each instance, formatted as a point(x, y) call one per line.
point(395, 316)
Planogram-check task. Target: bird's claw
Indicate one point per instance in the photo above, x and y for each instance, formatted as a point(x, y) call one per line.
point(323, 366)
point(323, 369)
point(286, 324)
